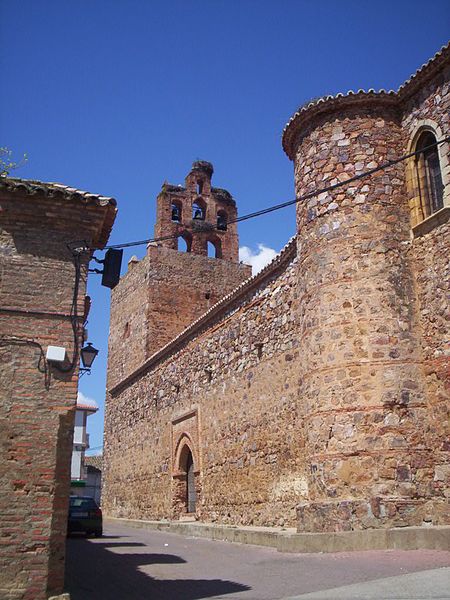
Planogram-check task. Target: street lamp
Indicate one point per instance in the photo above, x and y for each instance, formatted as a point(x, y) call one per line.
point(88, 354)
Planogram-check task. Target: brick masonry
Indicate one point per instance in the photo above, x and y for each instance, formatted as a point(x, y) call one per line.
point(160, 296)
point(317, 391)
point(37, 276)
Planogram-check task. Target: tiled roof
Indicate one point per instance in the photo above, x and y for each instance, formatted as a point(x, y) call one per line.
point(286, 254)
point(425, 71)
point(327, 103)
point(58, 190)
point(33, 186)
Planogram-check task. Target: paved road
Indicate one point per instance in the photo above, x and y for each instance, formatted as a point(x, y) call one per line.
point(135, 564)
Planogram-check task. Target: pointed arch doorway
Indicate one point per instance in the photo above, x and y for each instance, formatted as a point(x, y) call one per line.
point(185, 480)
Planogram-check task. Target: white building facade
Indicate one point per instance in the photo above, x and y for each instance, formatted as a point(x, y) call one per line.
point(78, 472)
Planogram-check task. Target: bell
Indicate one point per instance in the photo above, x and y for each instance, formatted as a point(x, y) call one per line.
point(221, 223)
point(198, 214)
point(175, 214)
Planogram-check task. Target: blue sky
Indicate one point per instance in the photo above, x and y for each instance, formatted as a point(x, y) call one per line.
point(116, 96)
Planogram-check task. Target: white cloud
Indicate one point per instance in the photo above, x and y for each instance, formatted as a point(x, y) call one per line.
point(82, 399)
point(258, 260)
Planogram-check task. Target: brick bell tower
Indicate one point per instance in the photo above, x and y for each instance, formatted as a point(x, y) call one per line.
point(199, 214)
point(169, 288)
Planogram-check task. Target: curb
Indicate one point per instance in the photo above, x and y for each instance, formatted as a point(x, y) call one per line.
point(405, 538)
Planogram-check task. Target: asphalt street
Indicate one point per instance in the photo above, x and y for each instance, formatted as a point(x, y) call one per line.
point(137, 564)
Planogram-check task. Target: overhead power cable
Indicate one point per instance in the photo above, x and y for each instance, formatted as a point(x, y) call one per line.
point(329, 188)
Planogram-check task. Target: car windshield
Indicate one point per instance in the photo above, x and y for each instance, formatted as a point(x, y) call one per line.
point(82, 503)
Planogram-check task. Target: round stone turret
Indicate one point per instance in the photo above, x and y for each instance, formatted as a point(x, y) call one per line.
point(362, 395)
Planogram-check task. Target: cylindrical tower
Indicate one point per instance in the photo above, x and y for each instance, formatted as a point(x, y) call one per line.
point(361, 390)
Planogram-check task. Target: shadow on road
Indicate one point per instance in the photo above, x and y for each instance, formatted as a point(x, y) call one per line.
point(94, 572)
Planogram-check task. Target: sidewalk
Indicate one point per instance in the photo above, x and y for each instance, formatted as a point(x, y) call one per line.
point(425, 585)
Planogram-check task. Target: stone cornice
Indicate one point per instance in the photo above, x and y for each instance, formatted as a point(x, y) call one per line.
point(329, 104)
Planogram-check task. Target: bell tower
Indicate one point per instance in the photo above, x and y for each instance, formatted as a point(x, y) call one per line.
point(199, 214)
point(168, 289)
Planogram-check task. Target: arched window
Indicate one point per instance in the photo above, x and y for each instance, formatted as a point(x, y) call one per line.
point(428, 175)
point(176, 211)
point(184, 242)
point(222, 220)
point(199, 210)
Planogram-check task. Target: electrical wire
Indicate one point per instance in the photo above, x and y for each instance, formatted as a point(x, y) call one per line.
point(6, 340)
point(76, 257)
point(296, 200)
point(340, 184)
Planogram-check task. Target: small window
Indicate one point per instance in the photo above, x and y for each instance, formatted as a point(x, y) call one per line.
point(199, 188)
point(428, 175)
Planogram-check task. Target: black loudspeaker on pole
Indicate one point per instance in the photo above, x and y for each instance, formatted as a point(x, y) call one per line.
point(112, 264)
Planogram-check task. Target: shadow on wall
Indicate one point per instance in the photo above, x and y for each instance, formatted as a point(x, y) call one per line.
point(94, 572)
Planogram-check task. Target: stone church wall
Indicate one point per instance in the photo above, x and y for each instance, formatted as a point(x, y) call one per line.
point(429, 107)
point(316, 394)
point(363, 376)
point(227, 385)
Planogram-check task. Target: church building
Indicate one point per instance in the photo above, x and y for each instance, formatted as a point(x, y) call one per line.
point(315, 394)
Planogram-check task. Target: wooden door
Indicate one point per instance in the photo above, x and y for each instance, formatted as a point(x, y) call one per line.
point(191, 496)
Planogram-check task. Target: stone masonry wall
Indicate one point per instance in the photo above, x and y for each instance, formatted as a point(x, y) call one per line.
point(363, 386)
point(226, 384)
point(37, 278)
point(429, 107)
point(158, 298)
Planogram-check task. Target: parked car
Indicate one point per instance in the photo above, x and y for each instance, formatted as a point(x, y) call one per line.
point(85, 516)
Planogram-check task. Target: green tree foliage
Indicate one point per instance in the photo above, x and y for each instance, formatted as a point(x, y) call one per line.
point(7, 163)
